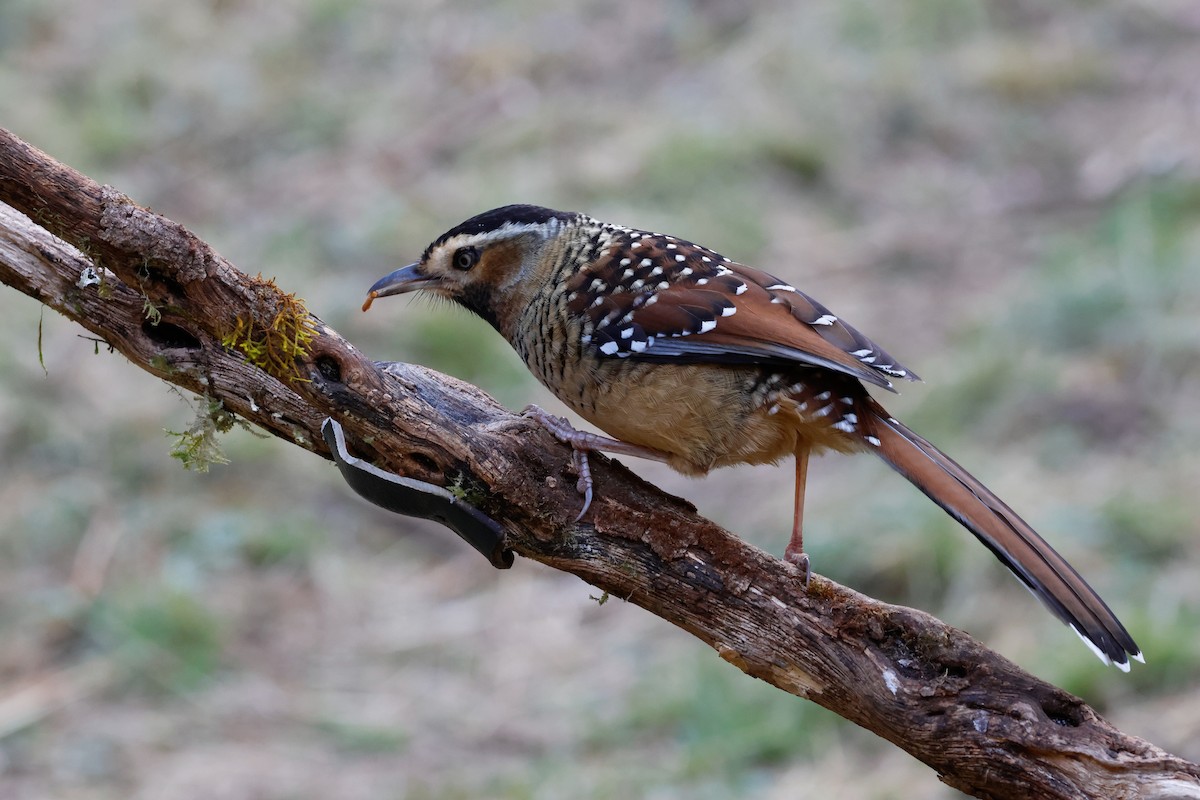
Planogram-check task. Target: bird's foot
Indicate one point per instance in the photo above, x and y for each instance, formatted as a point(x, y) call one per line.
point(799, 559)
point(581, 443)
point(583, 485)
point(584, 442)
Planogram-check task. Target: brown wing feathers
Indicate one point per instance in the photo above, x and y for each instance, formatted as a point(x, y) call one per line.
point(649, 293)
point(1038, 565)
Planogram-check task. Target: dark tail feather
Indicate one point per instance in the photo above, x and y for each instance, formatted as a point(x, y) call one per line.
point(1047, 574)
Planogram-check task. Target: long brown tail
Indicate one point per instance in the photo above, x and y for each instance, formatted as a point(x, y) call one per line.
point(1046, 573)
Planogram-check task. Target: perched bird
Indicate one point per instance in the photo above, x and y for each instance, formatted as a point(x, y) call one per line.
point(686, 357)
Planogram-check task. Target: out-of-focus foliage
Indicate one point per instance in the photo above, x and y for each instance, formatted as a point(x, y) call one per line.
point(1005, 194)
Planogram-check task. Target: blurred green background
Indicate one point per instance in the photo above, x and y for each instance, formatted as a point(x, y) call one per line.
point(1005, 195)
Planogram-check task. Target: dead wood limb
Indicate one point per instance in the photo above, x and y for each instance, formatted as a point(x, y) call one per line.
point(984, 725)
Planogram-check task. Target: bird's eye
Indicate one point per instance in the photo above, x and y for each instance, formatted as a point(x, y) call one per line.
point(465, 258)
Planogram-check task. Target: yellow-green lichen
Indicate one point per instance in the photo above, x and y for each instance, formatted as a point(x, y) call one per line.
point(197, 448)
point(468, 490)
point(150, 311)
point(149, 308)
point(161, 364)
point(276, 345)
point(41, 355)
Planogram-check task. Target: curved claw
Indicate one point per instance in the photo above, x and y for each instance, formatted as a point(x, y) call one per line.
point(801, 561)
point(581, 442)
point(584, 484)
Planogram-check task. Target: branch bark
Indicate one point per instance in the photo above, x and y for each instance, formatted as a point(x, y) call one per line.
point(986, 727)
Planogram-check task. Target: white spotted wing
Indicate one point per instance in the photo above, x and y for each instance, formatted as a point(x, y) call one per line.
point(660, 298)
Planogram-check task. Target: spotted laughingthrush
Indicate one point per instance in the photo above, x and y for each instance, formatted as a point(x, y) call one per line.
point(688, 358)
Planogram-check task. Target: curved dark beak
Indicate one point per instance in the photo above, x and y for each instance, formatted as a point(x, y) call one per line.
point(403, 280)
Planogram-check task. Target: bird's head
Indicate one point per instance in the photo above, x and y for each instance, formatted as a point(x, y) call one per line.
point(481, 263)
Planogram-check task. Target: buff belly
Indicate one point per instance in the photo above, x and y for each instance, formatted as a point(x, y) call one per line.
point(684, 412)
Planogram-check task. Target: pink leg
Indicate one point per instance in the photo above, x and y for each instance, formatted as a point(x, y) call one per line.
point(583, 442)
point(794, 552)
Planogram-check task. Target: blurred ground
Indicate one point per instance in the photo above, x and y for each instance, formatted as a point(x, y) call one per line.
point(1006, 196)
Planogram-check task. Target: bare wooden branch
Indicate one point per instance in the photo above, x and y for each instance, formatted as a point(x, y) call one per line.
point(984, 725)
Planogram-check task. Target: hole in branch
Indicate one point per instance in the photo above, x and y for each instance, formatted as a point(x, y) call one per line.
point(150, 273)
point(329, 368)
point(425, 462)
point(166, 334)
point(1062, 711)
